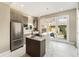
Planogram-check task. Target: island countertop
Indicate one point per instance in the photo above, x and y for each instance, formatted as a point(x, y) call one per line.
point(38, 38)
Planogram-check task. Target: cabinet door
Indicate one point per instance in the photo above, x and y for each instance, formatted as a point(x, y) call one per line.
point(35, 23)
point(12, 15)
point(15, 15)
point(25, 20)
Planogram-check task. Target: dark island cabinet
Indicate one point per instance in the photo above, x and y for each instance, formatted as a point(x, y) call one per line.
point(35, 48)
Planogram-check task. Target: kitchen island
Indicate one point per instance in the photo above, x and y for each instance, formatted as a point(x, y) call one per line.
point(35, 46)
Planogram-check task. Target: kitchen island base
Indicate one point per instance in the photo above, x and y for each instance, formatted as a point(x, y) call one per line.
point(34, 47)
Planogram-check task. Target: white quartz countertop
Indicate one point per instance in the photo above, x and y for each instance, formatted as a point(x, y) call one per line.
point(36, 38)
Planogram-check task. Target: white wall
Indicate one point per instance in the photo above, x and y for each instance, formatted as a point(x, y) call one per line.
point(5, 34)
point(4, 27)
point(78, 28)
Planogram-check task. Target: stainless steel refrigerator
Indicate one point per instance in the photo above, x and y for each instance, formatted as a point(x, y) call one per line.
point(16, 35)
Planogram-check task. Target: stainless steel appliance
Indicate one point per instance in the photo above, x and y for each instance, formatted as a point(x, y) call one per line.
point(16, 35)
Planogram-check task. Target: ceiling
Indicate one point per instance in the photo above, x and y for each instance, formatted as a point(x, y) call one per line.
point(42, 8)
